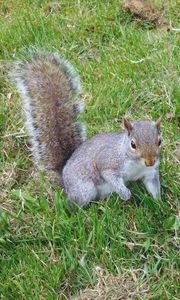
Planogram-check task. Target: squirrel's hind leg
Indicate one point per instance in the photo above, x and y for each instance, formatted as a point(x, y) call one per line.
point(104, 190)
point(81, 193)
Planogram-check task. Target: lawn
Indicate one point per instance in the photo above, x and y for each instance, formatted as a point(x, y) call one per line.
point(127, 68)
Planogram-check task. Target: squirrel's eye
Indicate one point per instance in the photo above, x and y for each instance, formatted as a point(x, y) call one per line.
point(159, 143)
point(133, 145)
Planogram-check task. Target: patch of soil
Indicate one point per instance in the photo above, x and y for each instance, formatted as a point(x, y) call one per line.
point(142, 11)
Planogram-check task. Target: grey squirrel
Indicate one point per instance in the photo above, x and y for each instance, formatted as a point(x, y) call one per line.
point(87, 169)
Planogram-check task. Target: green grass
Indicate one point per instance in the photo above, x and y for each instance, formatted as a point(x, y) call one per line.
point(47, 251)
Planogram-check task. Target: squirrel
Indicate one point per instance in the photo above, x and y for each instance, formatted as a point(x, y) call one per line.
point(88, 169)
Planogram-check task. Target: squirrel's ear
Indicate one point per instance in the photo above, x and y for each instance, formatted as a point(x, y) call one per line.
point(127, 125)
point(158, 123)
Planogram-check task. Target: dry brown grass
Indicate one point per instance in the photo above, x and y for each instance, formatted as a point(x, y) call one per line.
point(127, 285)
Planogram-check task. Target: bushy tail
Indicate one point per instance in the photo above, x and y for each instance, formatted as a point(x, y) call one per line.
point(49, 87)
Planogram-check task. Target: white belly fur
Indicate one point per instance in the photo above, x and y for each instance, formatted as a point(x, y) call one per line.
point(137, 170)
point(104, 190)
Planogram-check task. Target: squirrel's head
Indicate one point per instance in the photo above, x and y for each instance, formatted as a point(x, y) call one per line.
point(144, 140)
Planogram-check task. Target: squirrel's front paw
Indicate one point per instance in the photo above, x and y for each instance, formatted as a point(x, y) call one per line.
point(125, 194)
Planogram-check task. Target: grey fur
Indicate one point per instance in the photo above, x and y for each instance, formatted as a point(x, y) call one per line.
point(49, 86)
point(106, 163)
point(91, 169)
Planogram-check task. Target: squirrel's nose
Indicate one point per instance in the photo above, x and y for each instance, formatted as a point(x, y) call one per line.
point(149, 162)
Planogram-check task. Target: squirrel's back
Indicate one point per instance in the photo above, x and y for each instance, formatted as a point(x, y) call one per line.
point(49, 87)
